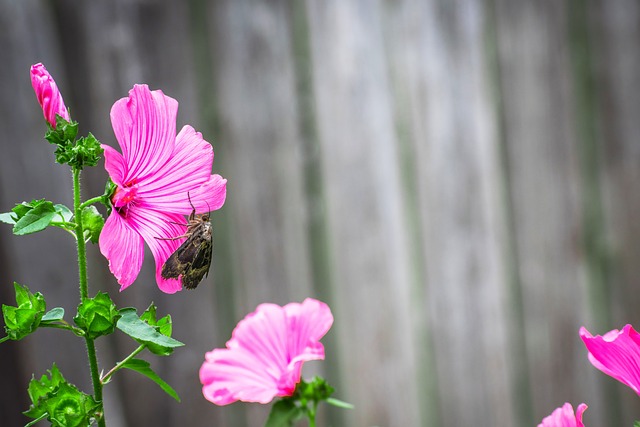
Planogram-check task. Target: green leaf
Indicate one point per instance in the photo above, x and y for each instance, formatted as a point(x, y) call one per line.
point(143, 367)
point(283, 414)
point(92, 222)
point(25, 317)
point(8, 218)
point(163, 325)
point(36, 219)
point(97, 316)
point(144, 333)
point(63, 212)
point(53, 315)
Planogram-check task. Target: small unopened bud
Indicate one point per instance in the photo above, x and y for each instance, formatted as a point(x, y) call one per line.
point(48, 95)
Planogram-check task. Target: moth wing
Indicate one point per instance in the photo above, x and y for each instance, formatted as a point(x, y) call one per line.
point(200, 265)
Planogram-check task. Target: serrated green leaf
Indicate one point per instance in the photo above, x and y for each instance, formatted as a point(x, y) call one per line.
point(283, 414)
point(142, 332)
point(36, 219)
point(143, 367)
point(53, 315)
point(8, 218)
point(163, 325)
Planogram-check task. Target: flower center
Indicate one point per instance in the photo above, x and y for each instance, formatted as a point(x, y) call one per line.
point(123, 197)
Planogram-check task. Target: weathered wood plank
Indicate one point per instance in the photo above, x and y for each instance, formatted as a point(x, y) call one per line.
point(441, 68)
point(365, 212)
point(542, 152)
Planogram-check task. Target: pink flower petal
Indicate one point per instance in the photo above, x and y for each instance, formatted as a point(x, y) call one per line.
point(211, 195)
point(186, 174)
point(49, 97)
point(145, 127)
point(617, 354)
point(123, 248)
point(115, 165)
point(264, 356)
point(153, 227)
point(564, 417)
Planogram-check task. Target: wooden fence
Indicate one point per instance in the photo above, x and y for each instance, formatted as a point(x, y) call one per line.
point(457, 179)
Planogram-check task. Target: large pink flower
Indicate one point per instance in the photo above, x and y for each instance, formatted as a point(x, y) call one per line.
point(48, 94)
point(264, 356)
point(155, 174)
point(564, 417)
point(616, 353)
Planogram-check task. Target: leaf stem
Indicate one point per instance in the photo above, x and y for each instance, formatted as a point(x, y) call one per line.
point(90, 202)
point(118, 366)
point(84, 291)
point(77, 331)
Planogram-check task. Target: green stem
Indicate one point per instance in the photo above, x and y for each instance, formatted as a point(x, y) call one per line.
point(90, 202)
point(4, 339)
point(118, 366)
point(311, 413)
point(84, 291)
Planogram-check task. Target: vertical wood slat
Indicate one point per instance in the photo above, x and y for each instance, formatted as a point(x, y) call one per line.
point(367, 231)
point(455, 146)
point(545, 185)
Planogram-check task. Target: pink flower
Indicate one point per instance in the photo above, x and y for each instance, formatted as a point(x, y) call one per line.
point(155, 174)
point(48, 94)
point(564, 417)
point(264, 356)
point(616, 353)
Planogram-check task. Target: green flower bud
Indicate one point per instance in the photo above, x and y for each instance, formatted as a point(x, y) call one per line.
point(97, 316)
point(24, 318)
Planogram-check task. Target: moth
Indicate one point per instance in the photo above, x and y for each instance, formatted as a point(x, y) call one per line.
point(192, 259)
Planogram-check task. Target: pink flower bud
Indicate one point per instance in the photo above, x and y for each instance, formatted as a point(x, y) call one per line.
point(48, 94)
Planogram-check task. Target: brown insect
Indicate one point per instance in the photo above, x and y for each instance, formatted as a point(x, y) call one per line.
point(192, 260)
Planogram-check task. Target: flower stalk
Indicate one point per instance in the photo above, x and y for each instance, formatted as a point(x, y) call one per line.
point(84, 290)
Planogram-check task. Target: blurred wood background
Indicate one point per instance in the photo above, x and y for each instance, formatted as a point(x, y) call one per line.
point(457, 179)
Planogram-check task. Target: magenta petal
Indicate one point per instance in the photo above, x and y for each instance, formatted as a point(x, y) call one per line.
point(48, 95)
point(186, 174)
point(564, 417)
point(124, 249)
point(114, 164)
point(211, 195)
point(264, 357)
point(153, 227)
point(617, 354)
point(145, 127)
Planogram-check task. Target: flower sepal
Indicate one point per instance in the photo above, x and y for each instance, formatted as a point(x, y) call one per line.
point(303, 403)
point(97, 316)
point(64, 133)
point(60, 402)
point(25, 317)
